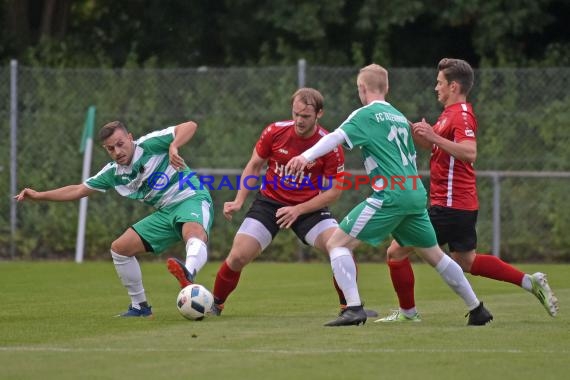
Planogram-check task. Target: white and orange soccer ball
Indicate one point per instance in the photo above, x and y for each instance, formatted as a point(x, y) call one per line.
point(194, 302)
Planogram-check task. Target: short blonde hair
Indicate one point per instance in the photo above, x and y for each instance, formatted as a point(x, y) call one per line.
point(374, 77)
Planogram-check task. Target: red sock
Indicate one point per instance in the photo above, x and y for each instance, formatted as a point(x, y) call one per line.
point(403, 280)
point(226, 282)
point(492, 267)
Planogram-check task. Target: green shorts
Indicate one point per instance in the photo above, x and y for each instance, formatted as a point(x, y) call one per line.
point(372, 225)
point(163, 228)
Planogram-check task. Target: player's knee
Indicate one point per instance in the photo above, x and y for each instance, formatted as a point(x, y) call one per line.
point(465, 260)
point(236, 263)
point(119, 247)
point(238, 260)
point(194, 230)
point(339, 239)
point(396, 253)
point(330, 245)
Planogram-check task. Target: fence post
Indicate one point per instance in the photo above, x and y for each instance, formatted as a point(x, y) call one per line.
point(86, 148)
point(13, 153)
point(301, 72)
point(496, 214)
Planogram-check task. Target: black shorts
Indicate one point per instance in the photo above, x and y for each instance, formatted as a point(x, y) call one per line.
point(453, 227)
point(264, 210)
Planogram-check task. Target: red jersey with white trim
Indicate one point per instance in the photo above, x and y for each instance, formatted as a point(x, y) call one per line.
point(279, 143)
point(452, 181)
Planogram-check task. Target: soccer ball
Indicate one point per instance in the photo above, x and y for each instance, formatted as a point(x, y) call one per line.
point(194, 302)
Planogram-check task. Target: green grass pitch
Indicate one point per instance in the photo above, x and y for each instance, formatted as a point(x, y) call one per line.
point(56, 322)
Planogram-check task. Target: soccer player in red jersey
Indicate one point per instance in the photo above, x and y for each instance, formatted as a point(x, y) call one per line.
point(286, 200)
point(453, 197)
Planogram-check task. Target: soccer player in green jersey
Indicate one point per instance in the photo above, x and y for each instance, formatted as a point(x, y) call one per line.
point(149, 170)
point(397, 205)
point(454, 203)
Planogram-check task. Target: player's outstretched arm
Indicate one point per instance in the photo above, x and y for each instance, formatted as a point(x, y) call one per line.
point(250, 176)
point(62, 194)
point(296, 164)
point(182, 134)
point(322, 147)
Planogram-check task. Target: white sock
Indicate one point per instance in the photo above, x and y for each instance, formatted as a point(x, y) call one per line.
point(196, 255)
point(526, 283)
point(344, 270)
point(129, 272)
point(453, 275)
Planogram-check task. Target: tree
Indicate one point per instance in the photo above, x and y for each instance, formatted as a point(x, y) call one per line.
point(249, 32)
point(28, 22)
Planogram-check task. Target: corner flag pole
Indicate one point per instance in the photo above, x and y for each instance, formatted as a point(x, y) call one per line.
point(87, 149)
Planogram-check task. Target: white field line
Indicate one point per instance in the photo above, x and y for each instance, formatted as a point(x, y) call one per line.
point(282, 352)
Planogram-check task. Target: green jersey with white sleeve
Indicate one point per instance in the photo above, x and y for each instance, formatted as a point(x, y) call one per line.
point(385, 139)
point(149, 177)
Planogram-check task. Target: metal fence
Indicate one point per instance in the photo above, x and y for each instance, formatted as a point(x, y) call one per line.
point(523, 160)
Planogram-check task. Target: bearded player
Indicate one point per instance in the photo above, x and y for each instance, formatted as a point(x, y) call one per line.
point(285, 200)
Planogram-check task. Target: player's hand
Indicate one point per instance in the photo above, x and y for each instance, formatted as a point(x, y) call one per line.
point(26, 194)
point(296, 164)
point(176, 161)
point(230, 208)
point(423, 129)
point(286, 216)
